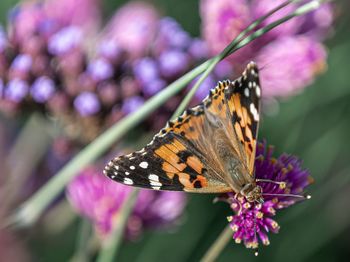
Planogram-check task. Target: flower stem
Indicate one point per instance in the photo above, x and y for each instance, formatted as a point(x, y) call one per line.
point(84, 234)
point(219, 245)
point(110, 247)
point(30, 210)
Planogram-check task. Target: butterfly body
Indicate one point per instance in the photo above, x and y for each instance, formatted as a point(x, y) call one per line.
point(209, 149)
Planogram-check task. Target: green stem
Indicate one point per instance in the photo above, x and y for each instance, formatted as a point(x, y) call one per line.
point(219, 245)
point(111, 246)
point(84, 234)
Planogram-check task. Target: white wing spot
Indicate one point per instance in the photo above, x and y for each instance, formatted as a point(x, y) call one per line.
point(154, 180)
point(153, 177)
point(246, 92)
point(155, 183)
point(156, 187)
point(127, 173)
point(112, 176)
point(250, 84)
point(257, 91)
point(143, 164)
point(128, 181)
point(116, 173)
point(132, 167)
point(254, 112)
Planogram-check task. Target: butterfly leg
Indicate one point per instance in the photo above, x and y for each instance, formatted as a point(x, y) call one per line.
point(281, 184)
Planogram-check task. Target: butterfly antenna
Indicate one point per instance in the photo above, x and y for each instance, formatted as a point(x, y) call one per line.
point(288, 195)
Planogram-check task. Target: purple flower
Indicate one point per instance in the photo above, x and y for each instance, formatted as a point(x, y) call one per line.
point(146, 70)
point(3, 39)
point(98, 198)
point(154, 87)
point(289, 64)
point(65, 40)
point(109, 49)
point(1, 87)
point(222, 21)
point(199, 49)
point(132, 104)
point(133, 27)
point(172, 34)
point(83, 13)
point(22, 62)
point(16, 90)
point(252, 222)
point(173, 63)
point(44, 18)
point(100, 69)
point(42, 89)
point(87, 104)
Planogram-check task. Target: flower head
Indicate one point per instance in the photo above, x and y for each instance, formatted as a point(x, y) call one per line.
point(252, 222)
point(133, 27)
point(99, 198)
point(289, 64)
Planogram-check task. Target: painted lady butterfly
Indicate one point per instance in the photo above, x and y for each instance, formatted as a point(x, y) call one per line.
point(210, 148)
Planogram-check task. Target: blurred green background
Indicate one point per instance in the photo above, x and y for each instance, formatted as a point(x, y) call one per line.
point(314, 125)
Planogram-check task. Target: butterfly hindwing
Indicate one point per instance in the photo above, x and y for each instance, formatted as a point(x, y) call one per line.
point(181, 156)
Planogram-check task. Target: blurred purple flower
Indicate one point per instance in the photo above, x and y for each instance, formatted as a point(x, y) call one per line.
point(42, 89)
point(65, 40)
point(172, 63)
point(100, 69)
point(289, 64)
point(22, 62)
point(83, 13)
point(31, 18)
point(87, 104)
point(199, 49)
point(16, 90)
point(132, 104)
point(287, 70)
point(146, 69)
point(222, 21)
point(109, 49)
point(154, 86)
point(171, 35)
point(133, 27)
point(3, 39)
point(252, 222)
point(98, 198)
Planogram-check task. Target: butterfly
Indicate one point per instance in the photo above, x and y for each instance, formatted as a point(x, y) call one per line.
point(210, 148)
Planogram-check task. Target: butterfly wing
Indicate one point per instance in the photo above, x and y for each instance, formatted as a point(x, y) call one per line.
point(181, 156)
point(243, 101)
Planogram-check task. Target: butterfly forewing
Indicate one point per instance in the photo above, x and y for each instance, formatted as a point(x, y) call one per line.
point(182, 155)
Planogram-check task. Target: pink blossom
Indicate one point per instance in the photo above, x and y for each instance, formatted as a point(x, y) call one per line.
point(133, 27)
point(289, 64)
